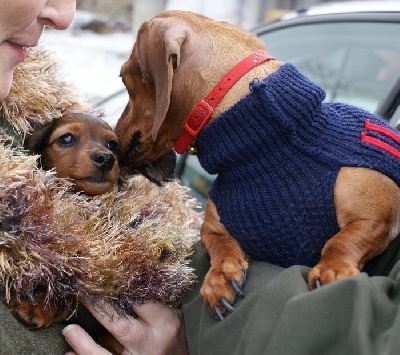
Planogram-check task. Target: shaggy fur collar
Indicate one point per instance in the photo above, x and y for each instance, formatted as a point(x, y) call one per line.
point(126, 246)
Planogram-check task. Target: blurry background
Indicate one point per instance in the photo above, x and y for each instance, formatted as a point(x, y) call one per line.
point(245, 13)
point(103, 33)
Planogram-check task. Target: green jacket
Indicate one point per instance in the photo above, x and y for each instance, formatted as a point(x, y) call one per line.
point(280, 316)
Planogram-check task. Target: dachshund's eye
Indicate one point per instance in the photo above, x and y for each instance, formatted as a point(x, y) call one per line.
point(67, 139)
point(112, 145)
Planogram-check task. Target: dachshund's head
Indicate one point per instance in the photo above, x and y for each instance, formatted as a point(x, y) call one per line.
point(81, 147)
point(177, 59)
point(161, 60)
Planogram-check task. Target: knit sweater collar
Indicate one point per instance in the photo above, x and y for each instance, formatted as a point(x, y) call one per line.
point(255, 124)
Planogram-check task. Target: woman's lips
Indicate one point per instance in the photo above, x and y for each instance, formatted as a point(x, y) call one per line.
point(19, 50)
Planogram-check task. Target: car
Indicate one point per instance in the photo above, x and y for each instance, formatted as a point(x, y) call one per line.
point(351, 49)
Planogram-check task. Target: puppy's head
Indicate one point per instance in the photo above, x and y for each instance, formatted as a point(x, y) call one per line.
point(81, 147)
point(176, 60)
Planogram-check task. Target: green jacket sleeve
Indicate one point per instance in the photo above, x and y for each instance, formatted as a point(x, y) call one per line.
point(279, 315)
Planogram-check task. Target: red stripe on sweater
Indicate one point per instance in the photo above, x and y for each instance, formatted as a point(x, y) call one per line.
point(377, 128)
point(373, 127)
point(380, 144)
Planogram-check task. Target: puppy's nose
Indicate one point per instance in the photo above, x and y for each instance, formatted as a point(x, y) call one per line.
point(103, 161)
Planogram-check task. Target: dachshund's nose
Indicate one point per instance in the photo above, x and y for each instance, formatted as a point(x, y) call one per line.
point(103, 161)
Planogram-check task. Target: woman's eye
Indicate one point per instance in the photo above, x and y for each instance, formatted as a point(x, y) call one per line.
point(112, 145)
point(67, 139)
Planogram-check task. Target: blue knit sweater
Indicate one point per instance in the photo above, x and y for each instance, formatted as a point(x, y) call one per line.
point(277, 153)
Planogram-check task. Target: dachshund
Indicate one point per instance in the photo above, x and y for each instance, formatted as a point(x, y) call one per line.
point(84, 149)
point(184, 93)
point(80, 147)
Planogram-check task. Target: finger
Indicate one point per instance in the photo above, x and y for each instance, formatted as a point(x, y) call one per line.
point(103, 312)
point(154, 313)
point(81, 342)
point(125, 329)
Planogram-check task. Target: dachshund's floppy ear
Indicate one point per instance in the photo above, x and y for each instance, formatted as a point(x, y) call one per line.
point(158, 45)
point(36, 142)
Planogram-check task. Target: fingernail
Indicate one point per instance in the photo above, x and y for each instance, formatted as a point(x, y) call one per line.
point(67, 329)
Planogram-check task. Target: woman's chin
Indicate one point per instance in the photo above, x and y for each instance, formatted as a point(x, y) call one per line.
point(5, 83)
point(11, 55)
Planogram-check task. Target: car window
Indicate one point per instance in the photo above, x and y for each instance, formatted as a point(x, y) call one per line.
point(395, 120)
point(356, 63)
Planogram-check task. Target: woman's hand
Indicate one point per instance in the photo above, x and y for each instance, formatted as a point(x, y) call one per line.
point(157, 329)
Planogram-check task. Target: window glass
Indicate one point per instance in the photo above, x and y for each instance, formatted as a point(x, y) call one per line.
point(395, 120)
point(356, 63)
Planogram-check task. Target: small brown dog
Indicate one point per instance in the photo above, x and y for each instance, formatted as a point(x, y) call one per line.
point(83, 148)
point(172, 78)
point(80, 147)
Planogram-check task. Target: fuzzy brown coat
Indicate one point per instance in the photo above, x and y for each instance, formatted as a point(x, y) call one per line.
point(129, 245)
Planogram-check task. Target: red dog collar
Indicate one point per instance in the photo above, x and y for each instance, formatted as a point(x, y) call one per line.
point(202, 111)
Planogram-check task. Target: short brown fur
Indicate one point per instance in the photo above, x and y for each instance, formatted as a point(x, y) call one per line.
point(90, 161)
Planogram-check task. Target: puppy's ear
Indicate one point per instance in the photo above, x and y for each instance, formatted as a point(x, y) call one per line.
point(158, 47)
point(39, 139)
point(158, 171)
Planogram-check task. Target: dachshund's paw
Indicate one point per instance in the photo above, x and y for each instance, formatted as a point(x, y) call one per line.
point(326, 272)
point(38, 314)
point(223, 282)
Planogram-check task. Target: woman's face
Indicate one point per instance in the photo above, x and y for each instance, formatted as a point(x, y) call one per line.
point(21, 24)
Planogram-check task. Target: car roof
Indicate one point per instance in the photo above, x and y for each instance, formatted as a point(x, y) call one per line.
point(386, 11)
point(346, 8)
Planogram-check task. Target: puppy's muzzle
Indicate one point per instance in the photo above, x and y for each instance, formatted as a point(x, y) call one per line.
point(103, 161)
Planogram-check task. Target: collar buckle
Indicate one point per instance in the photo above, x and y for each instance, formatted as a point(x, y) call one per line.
point(198, 118)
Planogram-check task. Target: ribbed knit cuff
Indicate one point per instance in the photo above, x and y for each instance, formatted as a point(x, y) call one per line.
point(288, 93)
point(265, 118)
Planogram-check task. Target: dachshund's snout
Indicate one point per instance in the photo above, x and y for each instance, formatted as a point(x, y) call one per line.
point(103, 161)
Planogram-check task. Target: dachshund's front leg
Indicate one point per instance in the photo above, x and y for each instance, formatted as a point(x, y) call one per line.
point(228, 269)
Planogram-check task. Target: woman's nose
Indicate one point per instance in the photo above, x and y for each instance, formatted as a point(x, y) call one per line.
point(58, 13)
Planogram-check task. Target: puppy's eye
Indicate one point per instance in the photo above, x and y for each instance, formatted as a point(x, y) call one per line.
point(112, 145)
point(67, 139)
